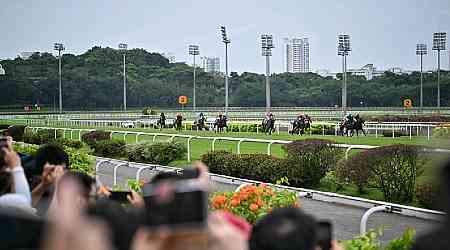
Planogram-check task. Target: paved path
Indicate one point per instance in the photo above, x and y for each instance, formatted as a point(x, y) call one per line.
point(345, 218)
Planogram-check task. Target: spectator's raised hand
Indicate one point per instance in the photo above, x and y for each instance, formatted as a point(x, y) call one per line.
point(10, 157)
point(136, 199)
point(70, 230)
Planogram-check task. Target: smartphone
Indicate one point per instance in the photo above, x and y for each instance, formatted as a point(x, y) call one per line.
point(18, 232)
point(190, 173)
point(324, 234)
point(119, 196)
point(176, 205)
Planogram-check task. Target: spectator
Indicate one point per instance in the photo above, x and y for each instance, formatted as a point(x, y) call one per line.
point(438, 239)
point(87, 192)
point(284, 229)
point(14, 188)
point(51, 162)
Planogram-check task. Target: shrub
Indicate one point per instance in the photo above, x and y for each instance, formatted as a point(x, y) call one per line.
point(388, 133)
point(109, 148)
point(309, 161)
point(253, 201)
point(41, 136)
point(427, 195)
point(92, 137)
point(441, 132)
point(258, 167)
point(148, 111)
point(306, 163)
point(158, 153)
point(393, 168)
point(67, 143)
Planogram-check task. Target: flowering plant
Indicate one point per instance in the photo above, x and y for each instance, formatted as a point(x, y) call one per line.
point(253, 201)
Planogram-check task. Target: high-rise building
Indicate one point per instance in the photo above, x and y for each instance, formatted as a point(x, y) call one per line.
point(297, 55)
point(211, 64)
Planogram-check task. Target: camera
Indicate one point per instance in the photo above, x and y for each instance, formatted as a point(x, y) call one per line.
point(176, 205)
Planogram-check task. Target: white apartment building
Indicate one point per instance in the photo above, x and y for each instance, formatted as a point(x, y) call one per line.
point(211, 64)
point(297, 55)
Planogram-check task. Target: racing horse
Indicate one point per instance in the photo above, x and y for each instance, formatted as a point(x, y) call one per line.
point(220, 124)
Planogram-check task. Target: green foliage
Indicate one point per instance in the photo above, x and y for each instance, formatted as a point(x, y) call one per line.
point(404, 242)
point(427, 195)
point(148, 111)
point(42, 136)
point(369, 241)
point(157, 153)
point(110, 148)
point(92, 137)
point(305, 165)
point(393, 168)
point(67, 143)
point(79, 161)
point(155, 82)
point(135, 185)
point(310, 160)
point(331, 183)
point(441, 132)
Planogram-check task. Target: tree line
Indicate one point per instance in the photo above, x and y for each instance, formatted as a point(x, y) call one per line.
point(93, 80)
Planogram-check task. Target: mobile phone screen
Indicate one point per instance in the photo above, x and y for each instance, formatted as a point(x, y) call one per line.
point(178, 209)
point(324, 235)
point(120, 196)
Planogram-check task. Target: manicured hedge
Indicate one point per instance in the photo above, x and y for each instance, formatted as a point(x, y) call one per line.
point(156, 153)
point(92, 137)
point(110, 148)
point(307, 162)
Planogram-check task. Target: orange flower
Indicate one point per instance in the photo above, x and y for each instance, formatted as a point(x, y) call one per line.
point(219, 201)
point(254, 207)
point(235, 202)
point(264, 185)
point(259, 202)
point(296, 204)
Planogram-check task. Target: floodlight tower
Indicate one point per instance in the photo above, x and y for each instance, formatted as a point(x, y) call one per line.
point(439, 40)
point(267, 46)
point(344, 47)
point(226, 41)
point(193, 50)
point(421, 50)
point(123, 47)
point(59, 47)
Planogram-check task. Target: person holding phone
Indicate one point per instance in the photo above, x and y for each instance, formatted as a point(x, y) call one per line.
point(14, 188)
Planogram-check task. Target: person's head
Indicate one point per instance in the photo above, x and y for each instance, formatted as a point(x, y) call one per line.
point(86, 184)
point(50, 154)
point(284, 229)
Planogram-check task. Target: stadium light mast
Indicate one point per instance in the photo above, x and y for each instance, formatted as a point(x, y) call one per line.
point(439, 40)
point(421, 50)
point(59, 47)
point(226, 41)
point(267, 46)
point(123, 47)
point(344, 47)
point(194, 51)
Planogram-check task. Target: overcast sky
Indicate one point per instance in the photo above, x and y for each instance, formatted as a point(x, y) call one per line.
point(383, 32)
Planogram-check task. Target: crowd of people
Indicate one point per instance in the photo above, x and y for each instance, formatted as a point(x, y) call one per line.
point(44, 205)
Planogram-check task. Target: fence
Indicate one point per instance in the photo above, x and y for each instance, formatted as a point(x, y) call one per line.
point(374, 128)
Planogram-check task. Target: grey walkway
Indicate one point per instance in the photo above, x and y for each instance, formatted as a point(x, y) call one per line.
point(345, 218)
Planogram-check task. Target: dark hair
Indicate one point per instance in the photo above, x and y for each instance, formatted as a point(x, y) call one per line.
point(52, 154)
point(85, 181)
point(284, 229)
point(6, 182)
point(165, 176)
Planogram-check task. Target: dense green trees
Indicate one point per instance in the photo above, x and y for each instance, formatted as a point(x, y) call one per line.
point(93, 80)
